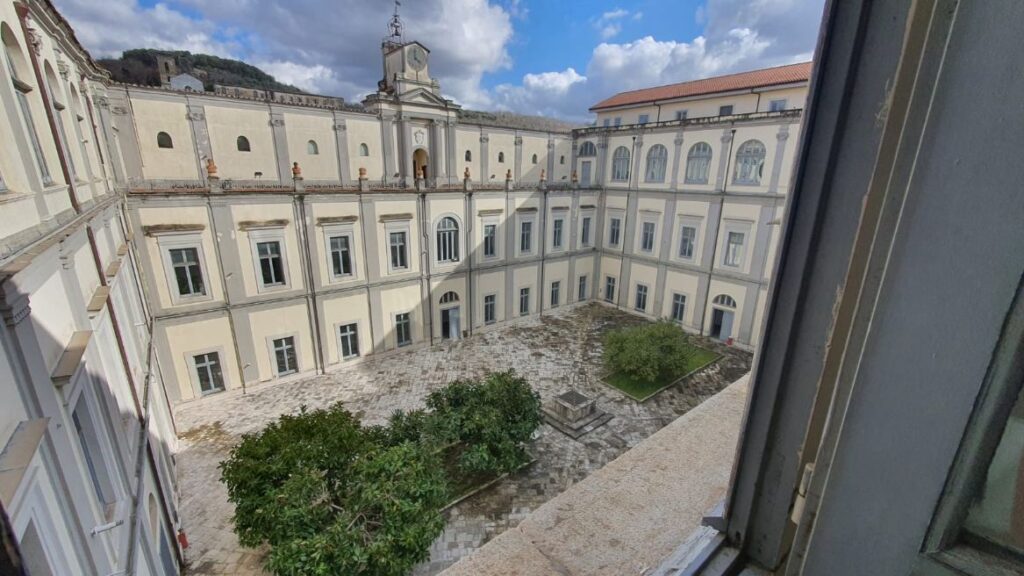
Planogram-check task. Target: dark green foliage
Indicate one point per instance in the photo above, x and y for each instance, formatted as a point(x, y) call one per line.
point(648, 352)
point(330, 496)
point(139, 66)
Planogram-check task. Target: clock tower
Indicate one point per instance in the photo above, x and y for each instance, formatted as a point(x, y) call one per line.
point(406, 64)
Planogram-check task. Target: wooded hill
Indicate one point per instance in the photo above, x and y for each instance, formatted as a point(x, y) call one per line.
point(139, 66)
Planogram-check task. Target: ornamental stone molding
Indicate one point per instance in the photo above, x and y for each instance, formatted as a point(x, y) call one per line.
point(276, 122)
point(484, 139)
point(101, 101)
point(195, 116)
point(551, 144)
point(783, 133)
point(119, 110)
point(339, 126)
point(63, 68)
point(519, 140)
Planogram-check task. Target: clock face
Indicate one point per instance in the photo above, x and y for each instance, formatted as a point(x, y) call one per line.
point(417, 58)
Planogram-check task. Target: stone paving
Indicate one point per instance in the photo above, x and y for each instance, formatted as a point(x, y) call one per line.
point(554, 352)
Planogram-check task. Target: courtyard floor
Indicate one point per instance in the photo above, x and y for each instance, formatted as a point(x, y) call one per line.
point(555, 352)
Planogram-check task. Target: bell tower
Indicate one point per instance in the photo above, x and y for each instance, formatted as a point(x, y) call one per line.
point(405, 63)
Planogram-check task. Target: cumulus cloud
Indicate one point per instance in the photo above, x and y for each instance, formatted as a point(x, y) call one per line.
point(609, 24)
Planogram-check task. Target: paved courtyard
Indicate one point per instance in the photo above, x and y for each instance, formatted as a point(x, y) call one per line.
point(553, 352)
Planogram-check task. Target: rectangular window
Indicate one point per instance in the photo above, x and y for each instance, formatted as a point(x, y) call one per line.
point(208, 372)
point(341, 255)
point(641, 297)
point(687, 240)
point(525, 237)
point(556, 233)
point(490, 240)
point(403, 329)
point(581, 289)
point(490, 307)
point(348, 336)
point(20, 89)
point(644, 118)
point(86, 429)
point(609, 289)
point(681, 114)
point(777, 105)
point(271, 263)
point(614, 231)
point(285, 356)
point(607, 122)
point(678, 307)
point(399, 250)
point(585, 231)
point(524, 301)
point(556, 289)
point(734, 249)
point(188, 275)
point(618, 121)
point(725, 110)
point(647, 237)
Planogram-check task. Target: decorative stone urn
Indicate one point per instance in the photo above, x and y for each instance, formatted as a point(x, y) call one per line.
point(296, 171)
point(211, 168)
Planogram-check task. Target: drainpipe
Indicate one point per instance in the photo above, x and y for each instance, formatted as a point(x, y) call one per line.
point(314, 314)
point(43, 88)
point(425, 263)
point(718, 231)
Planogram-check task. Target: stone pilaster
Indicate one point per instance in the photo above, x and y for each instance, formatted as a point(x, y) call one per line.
point(284, 165)
point(485, 156)
point(677, 156)
point(517, 174)
point(341, 147)
point(638, 148)
point(724, 160)
point(196, 115)
point(780, 152)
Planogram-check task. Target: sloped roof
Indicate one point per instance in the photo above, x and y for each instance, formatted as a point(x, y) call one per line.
point(741, 81)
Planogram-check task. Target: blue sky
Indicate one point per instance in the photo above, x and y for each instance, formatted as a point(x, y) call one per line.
point(546, 57)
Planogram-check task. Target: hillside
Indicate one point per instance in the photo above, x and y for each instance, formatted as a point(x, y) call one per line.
point(139, 66)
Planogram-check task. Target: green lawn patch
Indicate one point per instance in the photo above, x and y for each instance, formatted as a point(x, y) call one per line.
point(641, 389)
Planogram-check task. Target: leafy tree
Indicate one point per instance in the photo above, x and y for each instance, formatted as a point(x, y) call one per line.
point(648, 352)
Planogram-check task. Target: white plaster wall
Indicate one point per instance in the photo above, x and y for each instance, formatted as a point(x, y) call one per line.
point(225, 124)
point(153, 116)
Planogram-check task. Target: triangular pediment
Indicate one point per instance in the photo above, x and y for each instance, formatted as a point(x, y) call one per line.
point(424, 96)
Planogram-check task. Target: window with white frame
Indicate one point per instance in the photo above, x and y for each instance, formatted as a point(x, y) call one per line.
point(657, 163)
point(585, 222)
point(607, 122)
point(588, 149)
point(21, 91)
point(285, 356)
point(643, 119)
point(341, 249)
point(725, 110)
point(678, 306)
point(188, 273)
point(687, 240)
point(556, 293)
point(641, 298)
point(208, 372)
point(734, 249)
point(647, 231)
point(403, 329)
point(557, 233)
point(270, 263)
point(749, 163)
point(581, 289)
point(777, 105)
point(526, 234)
point(609, 289)
point(490, 309)
point(614, 230)
point(698, 163)
point(398, 246)
point(620, 164)
point(681, 114)
point(100, 475)
point(312, 148)
point(617, 121)
point(524, 301)
point(448, 240)
point(348, 341)
point(490, 240)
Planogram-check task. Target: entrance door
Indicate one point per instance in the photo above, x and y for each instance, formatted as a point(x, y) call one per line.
point(450, 329)
point(419, 164)
point(585, 172)
point(721, 323)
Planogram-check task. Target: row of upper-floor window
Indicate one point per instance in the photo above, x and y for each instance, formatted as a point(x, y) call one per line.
point(748, 167)
point(242, 144)
point(468, 157)
point(185, 263)
point(775, 105)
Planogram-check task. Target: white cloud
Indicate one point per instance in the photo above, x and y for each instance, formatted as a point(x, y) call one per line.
point(609, 24)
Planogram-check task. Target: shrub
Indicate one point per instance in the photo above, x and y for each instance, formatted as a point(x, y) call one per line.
point(648, 352)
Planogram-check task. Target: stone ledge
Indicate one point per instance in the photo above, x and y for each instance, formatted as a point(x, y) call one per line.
point(633, 513)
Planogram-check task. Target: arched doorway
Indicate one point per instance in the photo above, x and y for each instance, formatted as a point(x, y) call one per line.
point(450, 325)
point(723, 310)
point(419, 163)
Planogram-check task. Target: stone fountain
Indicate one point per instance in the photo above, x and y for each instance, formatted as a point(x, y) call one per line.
point(574, 414)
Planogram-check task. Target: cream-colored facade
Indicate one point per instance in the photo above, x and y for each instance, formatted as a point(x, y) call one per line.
point(161, 246)
point(87, 474)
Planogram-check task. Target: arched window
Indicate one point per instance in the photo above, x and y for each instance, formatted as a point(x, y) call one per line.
point(243, 144)
point(21, 78)
point(311, 148)
point(561, 159)
point(698, 163)
point(749, 163)
point(469, 156)
point(449, 297)
point(588, 149)
point(724, 300)
point(534, 159)
point(364, 150)
point(657, 160)
point(448, 240)
point(620, 164)
point(501, 157)
point(163, 140)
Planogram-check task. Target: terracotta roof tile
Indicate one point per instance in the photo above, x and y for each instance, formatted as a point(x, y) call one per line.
point(741, 81)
